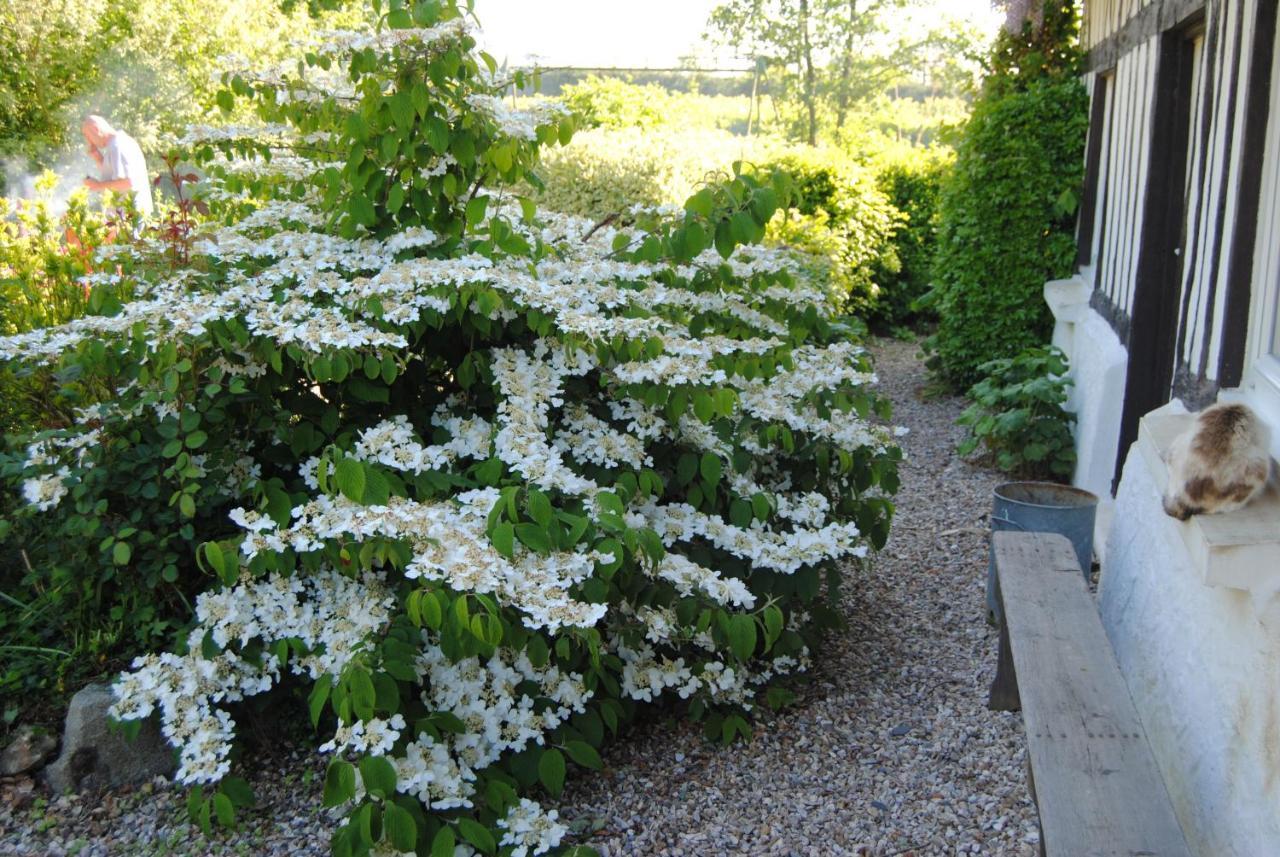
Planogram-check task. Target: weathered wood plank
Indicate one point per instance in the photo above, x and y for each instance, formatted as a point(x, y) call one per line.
point(1125, 35)
point(1097, 785)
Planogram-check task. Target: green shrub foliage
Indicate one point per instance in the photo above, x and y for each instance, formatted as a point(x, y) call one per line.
point(844, 221)
point(1008, 213)
point(481, 480)
point(607, 171)
point(913, 185)
point(610, 102)
point(1018, 415)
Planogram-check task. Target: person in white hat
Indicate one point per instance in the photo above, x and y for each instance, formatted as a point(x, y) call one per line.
point(121, 166)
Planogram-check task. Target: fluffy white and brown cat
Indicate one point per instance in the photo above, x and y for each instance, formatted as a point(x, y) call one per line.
point(1220, 464)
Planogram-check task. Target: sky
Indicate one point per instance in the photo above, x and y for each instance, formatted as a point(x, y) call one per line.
point(623, 33)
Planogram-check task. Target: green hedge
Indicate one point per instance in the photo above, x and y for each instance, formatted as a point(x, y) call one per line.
point(913, 186)
point(610, 102)
point(845, 221)
point(1008, 213)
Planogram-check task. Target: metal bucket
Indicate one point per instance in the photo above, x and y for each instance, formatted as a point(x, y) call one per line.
point(1042, 507)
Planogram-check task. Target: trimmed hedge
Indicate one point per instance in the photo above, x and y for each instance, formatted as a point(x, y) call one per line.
point(843, 219)
point(914, 187)
point(1007, 217)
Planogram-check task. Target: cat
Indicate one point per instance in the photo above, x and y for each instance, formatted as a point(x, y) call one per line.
point(1220, 464)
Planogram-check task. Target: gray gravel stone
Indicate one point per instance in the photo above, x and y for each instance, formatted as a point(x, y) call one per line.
point(96, 756)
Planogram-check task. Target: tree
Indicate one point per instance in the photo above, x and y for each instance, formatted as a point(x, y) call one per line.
point(49, 52)
point(823, 55)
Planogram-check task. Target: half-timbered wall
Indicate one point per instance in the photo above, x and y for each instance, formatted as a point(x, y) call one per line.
point(1124, 39)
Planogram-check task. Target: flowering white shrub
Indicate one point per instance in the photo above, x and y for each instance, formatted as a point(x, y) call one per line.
point(483, 480)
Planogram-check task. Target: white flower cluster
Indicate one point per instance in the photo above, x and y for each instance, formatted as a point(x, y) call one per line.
point(515, 122)
point(590, 439)
point(332, 615)
point(647, 674)
point(531, 829)
point(449, 545)
point(46, 492)
point(51, 455)
point(392, 443)
point(532, 383)
point(498, 717)
point(781, 551)
point(353, 41)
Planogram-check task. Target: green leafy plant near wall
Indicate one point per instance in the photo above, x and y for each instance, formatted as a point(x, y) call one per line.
point(1018, 415)
point(1008, 213)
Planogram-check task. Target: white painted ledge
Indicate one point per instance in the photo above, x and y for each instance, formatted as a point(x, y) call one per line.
point(1237, 550)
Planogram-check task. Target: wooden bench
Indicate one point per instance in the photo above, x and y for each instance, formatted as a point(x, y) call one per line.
point(1092, 774)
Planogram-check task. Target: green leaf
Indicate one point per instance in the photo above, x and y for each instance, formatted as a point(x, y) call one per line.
point(551, 770)
point(584, 754)
point(444, 843)
point(540, 508)
point(363, 695)
point(724, 239)
point(432, 611)
point(711, 467)
point(318, 697)
point(279, 506)
point(477, 834)
point(238, 790)
point(534, 537)
point(339, 783)
point(399, 827)
point(773, 624)
point(704, 407)
point(350, 476)
point(121, 553)
point(223, 809)
point(742, 636)
point(187, 506)
point(686, 468)
point(214, 556)
point(378, 775)
point(504, 539)
point(476, 210)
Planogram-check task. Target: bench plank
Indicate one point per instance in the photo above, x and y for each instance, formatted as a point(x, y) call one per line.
point(1096, 783)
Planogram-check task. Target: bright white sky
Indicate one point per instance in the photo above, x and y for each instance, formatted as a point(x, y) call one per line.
point(627, 33)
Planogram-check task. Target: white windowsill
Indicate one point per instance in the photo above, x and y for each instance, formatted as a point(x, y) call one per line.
point(1239, 550)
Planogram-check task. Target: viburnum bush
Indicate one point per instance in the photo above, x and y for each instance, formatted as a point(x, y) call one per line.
point(482, 480)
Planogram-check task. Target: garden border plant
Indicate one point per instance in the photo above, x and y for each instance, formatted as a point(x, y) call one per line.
point(483, 480)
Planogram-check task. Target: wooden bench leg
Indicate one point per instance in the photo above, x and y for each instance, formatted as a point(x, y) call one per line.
point(1004, 689)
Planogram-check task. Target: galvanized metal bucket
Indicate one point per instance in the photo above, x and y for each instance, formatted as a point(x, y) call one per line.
point(1042, 507)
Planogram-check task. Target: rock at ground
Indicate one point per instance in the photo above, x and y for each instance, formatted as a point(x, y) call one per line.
point(17, 793)
point(27, 751)
point(97, 756)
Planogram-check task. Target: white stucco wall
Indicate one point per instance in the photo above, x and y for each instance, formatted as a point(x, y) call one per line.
point(1098, 362)
point(1203, 665)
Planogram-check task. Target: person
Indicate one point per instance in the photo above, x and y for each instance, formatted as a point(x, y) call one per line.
point(120, 163)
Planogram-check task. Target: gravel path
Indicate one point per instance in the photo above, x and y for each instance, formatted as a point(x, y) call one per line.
point(889, 751)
